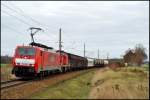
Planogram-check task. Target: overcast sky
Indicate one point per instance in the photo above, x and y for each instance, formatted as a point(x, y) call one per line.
point(110, 26)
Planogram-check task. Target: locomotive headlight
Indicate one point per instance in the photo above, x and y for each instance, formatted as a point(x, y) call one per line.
point(32, 65)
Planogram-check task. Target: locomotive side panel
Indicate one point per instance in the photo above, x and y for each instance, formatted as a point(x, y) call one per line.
point(50, 61)
point(38, 59)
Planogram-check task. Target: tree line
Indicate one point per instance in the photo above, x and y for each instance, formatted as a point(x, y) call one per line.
point(6, 59)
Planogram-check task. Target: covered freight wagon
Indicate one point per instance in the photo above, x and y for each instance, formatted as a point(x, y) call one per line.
point(75, 61)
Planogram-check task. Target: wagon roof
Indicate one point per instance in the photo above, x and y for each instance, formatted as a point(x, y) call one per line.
point(70, 54)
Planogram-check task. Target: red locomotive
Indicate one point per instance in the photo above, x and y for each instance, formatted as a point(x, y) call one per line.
point(37, 58)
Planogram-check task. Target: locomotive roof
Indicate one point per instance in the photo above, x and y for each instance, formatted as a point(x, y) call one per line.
point(40, 45)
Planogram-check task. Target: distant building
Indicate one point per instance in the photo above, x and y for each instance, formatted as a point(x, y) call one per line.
point(130, 58)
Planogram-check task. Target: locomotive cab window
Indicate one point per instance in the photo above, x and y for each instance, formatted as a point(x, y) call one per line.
point(26, 51)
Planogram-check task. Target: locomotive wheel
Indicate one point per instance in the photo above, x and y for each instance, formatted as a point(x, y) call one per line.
point(46, 73)
point(63, 69)
point(35, 75)
point(67, 69)
point(41, 75)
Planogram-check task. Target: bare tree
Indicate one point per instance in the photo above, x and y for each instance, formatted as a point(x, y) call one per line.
point(140, 52)
point(136, 55)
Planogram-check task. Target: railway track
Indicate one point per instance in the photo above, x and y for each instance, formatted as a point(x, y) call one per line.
point(11, 83)
point(4, 82)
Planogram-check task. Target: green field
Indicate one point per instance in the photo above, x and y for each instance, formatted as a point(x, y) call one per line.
point(4, 65)
point(146, 66)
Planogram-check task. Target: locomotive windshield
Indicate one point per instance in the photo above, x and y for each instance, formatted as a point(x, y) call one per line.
point(26, 51)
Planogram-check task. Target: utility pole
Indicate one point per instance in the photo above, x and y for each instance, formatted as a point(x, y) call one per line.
point(107, 55)
point(84, 49)
point(60, 40)
point(60, 46)
point(98, 54)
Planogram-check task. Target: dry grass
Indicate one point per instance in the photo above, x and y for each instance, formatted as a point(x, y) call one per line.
point(6, 72)
point(127, 83)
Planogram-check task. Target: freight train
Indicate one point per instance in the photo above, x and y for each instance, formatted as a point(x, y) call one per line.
point(37, 59)
point(100, 62)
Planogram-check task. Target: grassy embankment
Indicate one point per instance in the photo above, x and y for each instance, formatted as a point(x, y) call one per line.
point(127, 83)
point(76, 88)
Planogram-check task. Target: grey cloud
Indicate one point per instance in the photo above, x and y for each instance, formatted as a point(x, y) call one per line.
point(110, 26)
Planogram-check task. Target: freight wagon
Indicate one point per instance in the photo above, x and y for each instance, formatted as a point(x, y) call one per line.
point(98, 62)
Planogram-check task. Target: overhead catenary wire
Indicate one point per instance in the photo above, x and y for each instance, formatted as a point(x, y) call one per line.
point(22, 21)
point(16, 31)
point(25, 16)
point(16, 18)
point(22, 13)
